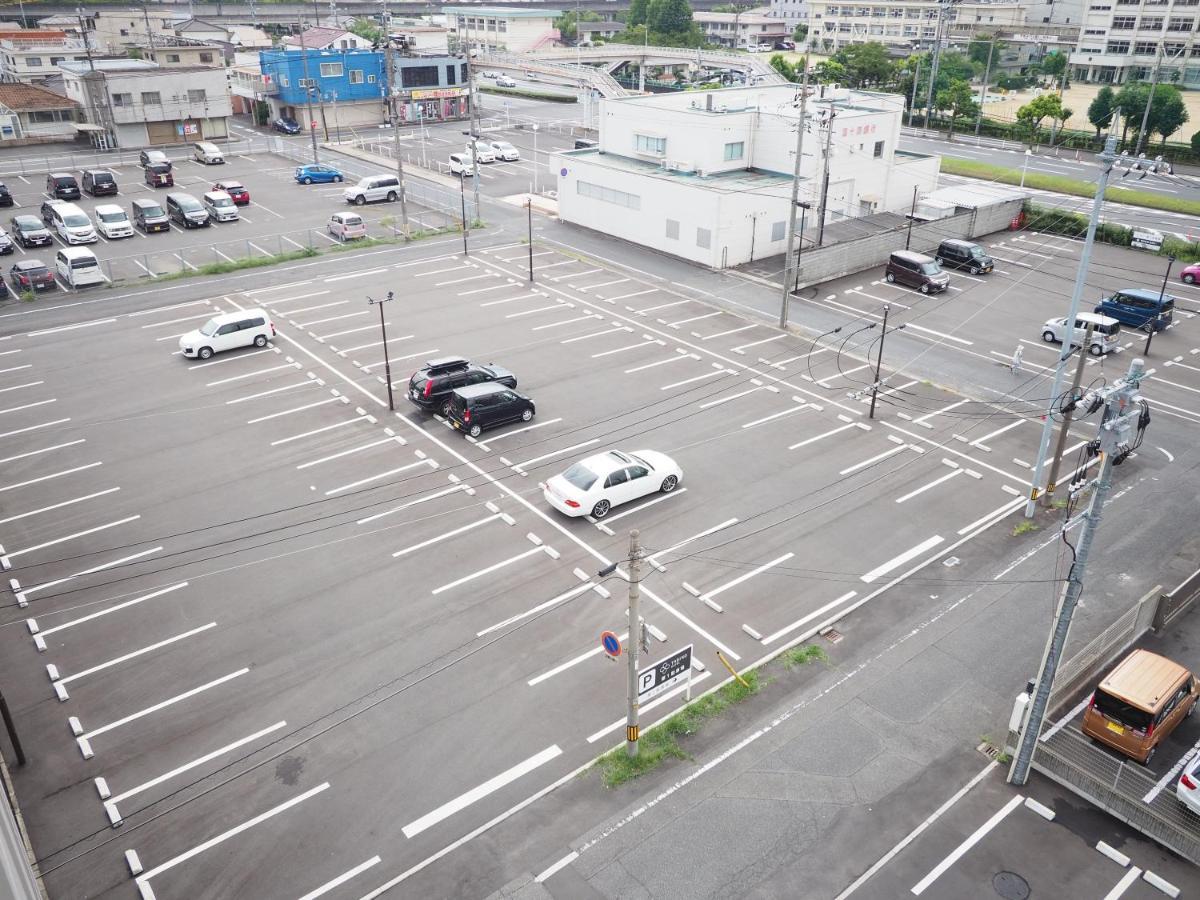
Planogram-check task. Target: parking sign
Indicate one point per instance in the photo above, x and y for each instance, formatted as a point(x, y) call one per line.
point(665, 674)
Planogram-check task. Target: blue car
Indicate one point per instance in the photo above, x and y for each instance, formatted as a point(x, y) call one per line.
point(317, 174)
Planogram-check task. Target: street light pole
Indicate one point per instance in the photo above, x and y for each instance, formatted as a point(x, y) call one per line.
point(1024, 163)
point(1161, 293)
point(462, 196)
point(804, 208)
point(312, 132)
point(534, 126)
point(387, 365)
point(529, 212)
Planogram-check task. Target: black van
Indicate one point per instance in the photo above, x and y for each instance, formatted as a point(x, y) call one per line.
point(149, 216)
point(964, 255)
point(916, 270)
point(62, 186)
point(480, 406)
point(99, 182)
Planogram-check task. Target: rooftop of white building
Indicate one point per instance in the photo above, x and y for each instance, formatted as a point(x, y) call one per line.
point(777, 99)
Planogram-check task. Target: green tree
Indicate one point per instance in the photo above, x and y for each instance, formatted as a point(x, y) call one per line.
point(368, 31)
point(866, 64)
point(1196, 142)
point(800, 33)
point(784, 68)
point(954, 66)
point(1032, 114)
point(1055, 63)
point(830, 71)
point(670, 17)
point(1100, 111)
point(959, 100)
point(977, 50)
point(637, 12)
point(567, 23)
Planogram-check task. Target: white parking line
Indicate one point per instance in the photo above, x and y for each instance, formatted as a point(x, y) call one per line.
point(541, 607)
point(1171, 775)
point(981, 442)
point(280, 390)
point(650, 309)
point(627, 296)
point(521, 467)
point(281, 300)
point(71, 537)
point(624, 349)
point(341, 879)
point(134, 654)
point(484, 444)
point(441, 537)
point(681, 354)
point(362, 481)
point(304, 434)
point(92, 571)
point(74, 327)
point(334, 334)
point(574, 661)
point(143, 880)
point(255, 373)
point(727, 333)
point(403, 506)
point(294, 409)
point(316, 462)
point(714, 374)
point(708, 595)
point(112, 609)
point(528, 296)
point(363, 312)
point(204, 315)
point(8, 459)
point(932, 484)
point(33, 427)
point(353, 275)
point(468, 278)
point(721, 400)
point(15, 368)
point(540, 309)
point(487, 571)
point(584, 337)
point(773, 416)
point(231, 358)
point(694, 319)
point(17, 387)
point(21, 484)
point(971, 841)
point(878, 571)
point(562, 322)
point(816, 613)
point(744, 347)
point(170, 701)
point(637, 508)
point(28, 406)
point(874, 459)
point(476, 794)
point(296, 312)
point(695, 537)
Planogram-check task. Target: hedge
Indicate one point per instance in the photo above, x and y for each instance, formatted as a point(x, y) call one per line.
point(532, 95)
point(1056, 221)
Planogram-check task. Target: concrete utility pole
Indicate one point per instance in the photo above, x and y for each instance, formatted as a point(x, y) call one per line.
point(825, 177)
point(879, 361)
point(387, 364)
point(472, 99)
point(943, 5)
point(987, 77)
point(1068, 412)
point(390, 107)
point(1121, 417)
point(312, 132)
point(1107, 156)
point(912, 103)
point(634, 640)
point(1141, 141)
point(149, 30)
point(791, 226)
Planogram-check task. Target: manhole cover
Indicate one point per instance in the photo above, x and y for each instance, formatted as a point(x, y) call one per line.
point(1010, 886)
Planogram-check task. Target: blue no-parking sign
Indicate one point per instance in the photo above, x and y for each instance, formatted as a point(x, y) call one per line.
point(611, 644)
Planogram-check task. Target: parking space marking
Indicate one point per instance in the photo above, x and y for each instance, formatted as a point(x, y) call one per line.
point(709, 595)
point(296, 312)
point(824, 382)
point(695, 537)
point(362, 312)
point(295, 409)
point(945, 409)
point(255, 373)
point(461, 280)
point(786, 412)
point(134, 654)
point(278, 301)
point(744, 347)
point(71, 537)
point(661, 498)
point(74, 327)
point(896, 562)
point(341, 879)
point(523, 466)
point(334, 334)
point(16, 368)
point(561, 322)
point(981, 442)
point(17, 387)
point(453, 489)
point(528, 296)
point(652, 341)
point(304, 434)
point(478, 793)
point(483, 445)
point(717, 373)
point(208, 757)
point(681, 354)
point(938, 870)
point(584, 337)
point(391, 340)
point(724, 333)
point(951, 474)
point(143, 880)
point(1124, 884)
point(441, 537)
point(111, 609)
point(279, 390)
point(353, 275)
point(804, 620)
point(489, 570)
point(21, 484)
point(592, 287)
point(406, 356)
point(234, 357)
point(694, 319)
point(368, 480)
point(204, 315)
point(874, 459)
point(529, 312)
point(92, 571)
point(650, 309)
point(1169, 778)
point(339, 455)
point(541, 607)
point(8, 459)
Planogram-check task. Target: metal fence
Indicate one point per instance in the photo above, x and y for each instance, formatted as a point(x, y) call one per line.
point(39, 165)
point(1174, 604)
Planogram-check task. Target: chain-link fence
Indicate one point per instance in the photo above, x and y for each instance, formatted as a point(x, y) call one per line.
point(37, 165)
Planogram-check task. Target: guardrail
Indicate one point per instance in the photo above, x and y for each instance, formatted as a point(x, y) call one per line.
point(39, 165)
point(1174, 604)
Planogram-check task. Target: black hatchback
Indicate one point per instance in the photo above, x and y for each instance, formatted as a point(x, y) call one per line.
point(964, 255)
point(431, 385)
point(482, 406)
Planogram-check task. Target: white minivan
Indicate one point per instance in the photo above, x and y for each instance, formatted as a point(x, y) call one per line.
point(209, 154)
point(462, 164)
point(372, 188)
point(72, 224)
point(1106, 332)
point(228, 331)
point(112, 222)
point(78, 267)
point(221, 206)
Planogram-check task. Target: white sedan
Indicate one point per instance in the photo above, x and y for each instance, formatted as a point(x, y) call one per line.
point(596, 484)
point(1187, 789)
point(505, 151)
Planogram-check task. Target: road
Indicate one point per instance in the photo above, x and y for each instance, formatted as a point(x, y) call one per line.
point(315, 648)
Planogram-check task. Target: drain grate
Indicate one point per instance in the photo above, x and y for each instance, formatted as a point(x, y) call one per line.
point(1010, 886)
point(832, 635)
point(988, 750)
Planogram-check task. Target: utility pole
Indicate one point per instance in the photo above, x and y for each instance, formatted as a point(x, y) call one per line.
point(791, 226)
point(529, 213)
point(387, 365)
point(472, 99)
point(804, 208)
point(912, 213)
point(312, 132)
point(1107, 156)
point(825, 177)
point(987, 77)
point(390, 107)
point(149, 30)
point(943, 5)
point(633, 642)
point(1121, 415)
point(879, 362)
point(912, 103)
point(1068, 415)
point(1161, 293)
point(1141, 141)
point(462, 198)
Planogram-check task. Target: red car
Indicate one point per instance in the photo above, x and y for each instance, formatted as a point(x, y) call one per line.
point(1190, 274)
point(234, 189)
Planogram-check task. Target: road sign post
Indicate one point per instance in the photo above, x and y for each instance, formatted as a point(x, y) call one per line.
point(665, 674)
point(611, 644)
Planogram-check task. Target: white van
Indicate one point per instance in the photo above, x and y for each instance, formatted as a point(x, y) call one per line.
point(72, 224)
point(1106, 332)
point(372, 188)
point(209, 154)
point(228, 331)
point(112, 222)
point(462, 164)
point(221, 206)
point(78, 267)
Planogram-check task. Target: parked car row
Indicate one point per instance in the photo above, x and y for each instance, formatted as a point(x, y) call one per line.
point(74, 226)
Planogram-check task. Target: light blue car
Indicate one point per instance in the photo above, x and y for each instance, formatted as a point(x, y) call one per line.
point(315, 174)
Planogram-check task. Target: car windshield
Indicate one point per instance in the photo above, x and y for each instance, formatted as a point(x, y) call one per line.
point(28, 223)
point(351, 220)
point(189, 204)
point(103, 178)
point(84, 262)
point(65, 182)
point(222, 201)
point(160, 168)
point(35, 270)
point(76, 220)
point(116, 216)
point(1122, 711)
point(930, 268)
point(580, 476)
point(977, 252)
point(233, 186)
point(209, 328)
point(152, 211)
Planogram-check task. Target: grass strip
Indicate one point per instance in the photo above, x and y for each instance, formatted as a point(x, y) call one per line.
point(1063, 185)
point(535, 95)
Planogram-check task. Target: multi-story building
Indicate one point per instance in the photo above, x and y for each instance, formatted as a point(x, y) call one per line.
point(32, 55)
point(319, 38)
point(1123, 40)
point(117, 30)
point(903, 24)
point(30, 114)
point(791, 11)
point(134, 102)
point(708, 177)
point(180, 52)
point(502, 28)
point(742, 30)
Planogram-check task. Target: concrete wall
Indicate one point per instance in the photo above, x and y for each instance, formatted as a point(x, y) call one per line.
point(817, 266)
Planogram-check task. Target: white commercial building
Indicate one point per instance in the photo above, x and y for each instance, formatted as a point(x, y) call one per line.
point(32, 55)
point(708, 176)
point(1121, 41)
point(503, 28)
point(742, 30)
point(906, 24)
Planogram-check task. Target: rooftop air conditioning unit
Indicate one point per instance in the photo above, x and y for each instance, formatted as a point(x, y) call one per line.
point(685, 168)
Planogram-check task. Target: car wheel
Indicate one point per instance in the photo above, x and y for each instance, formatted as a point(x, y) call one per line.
point(446, 409)
point(1096, 350)
point(337, 178)
point(475, 431)
point(360, 199)
point(204, 352)
point(669, 484)
point(391, 197)
point(600, 510)
point(527, 415)
point(1048, 337)
point(974, 270)
point(1189, 279)
point(260, 341)
point(889, 278)
point(307, 180)
point(924, 289)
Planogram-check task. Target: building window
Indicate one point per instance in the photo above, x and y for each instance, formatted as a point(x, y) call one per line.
point(462, 73)
point(172, 57)
point(878, 149)
point(1173, 24)
point(1123, 23)
point(283, 81)
point(356, 76)
point(778, 231)
point(655, 146)
point(370, 79)
point(122, 99)
point(673, 229)
point(331, 70)
point(608, 195)
point(34, 62)
point(151, 97)
point(703, 238)
point(206, 57)
point(306, 82)
point(197, 95)
point(419, 76)
point(450, 74)
point(503, 25)
point(1150, 23)
point(55, 60)
point(1118, 47)
point(1145, 48)
point(735, 150)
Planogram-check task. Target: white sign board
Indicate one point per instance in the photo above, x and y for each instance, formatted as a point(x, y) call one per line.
point(665, 674)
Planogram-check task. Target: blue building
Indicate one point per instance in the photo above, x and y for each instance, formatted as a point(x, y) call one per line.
point(349, 86)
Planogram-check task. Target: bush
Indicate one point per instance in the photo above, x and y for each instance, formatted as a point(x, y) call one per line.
point(535, 95)
point(1055, 221)
point(1196, 142)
